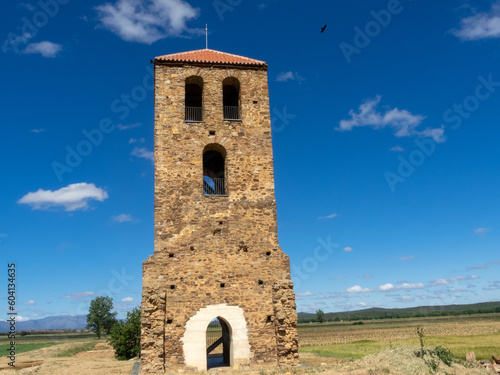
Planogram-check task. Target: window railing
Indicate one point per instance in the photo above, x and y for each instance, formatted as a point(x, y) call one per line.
point(213, 186)
point(194, 113)
point(231, 112)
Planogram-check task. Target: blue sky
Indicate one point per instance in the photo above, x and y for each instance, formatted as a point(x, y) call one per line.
point(385, 137)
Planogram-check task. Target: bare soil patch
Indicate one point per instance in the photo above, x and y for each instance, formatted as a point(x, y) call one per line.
point(44, 361)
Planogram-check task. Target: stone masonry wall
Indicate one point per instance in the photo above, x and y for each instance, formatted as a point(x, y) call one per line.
point(215, 249)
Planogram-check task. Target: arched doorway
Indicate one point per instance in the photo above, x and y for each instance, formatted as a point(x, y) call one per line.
point(218, 343)
point(194, 339)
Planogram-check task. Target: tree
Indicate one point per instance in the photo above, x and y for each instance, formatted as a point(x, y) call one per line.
point(320, 315)
point(126, 336)
point(100, 318)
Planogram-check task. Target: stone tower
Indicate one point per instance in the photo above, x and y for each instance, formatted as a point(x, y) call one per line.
point(216, 249)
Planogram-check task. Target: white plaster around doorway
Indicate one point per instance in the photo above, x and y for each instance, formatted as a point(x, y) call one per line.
point(194, 339)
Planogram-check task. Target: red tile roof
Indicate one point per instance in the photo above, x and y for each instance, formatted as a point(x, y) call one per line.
point(210, 56)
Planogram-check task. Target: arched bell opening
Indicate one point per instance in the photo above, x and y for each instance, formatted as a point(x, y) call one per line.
point(231, 98)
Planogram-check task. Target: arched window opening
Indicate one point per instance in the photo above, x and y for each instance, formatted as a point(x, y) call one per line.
point(193, 98)
point(218, 344)
point(231, 98)
point(213, 170)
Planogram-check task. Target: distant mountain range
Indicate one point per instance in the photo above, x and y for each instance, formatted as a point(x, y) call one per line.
point(50, 322)
point(421, 311)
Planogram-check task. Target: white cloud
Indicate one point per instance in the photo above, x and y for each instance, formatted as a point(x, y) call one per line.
point(397, 149)
point(45, 48)
point(348, 249)
point(403, 122)
point(127, 299)
point(306, 294)
point(439, 282)
point(37, 130)
point(407, 258)
point(332, 216)
point(404, 286)
point(144, 153)
point(362, 304)
point(285, 76)
point(481, 25)
point(20, 318)
point(405, 299)
point(480, 267)
point(492, 287)
point(79, 295)
point(134, 140)
point(410, 286)
point(146, 21)
point(357, 289)
point(421, 296)
point(29, 303)
point(122, 218)
point(72, 197)
point(386, 287)
point(126, 127)
point(481, 230)
point(437, 134)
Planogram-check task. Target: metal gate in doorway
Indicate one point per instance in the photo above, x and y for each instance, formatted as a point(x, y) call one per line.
point(218, 344)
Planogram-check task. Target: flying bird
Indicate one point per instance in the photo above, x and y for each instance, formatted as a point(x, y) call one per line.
point(323, 28)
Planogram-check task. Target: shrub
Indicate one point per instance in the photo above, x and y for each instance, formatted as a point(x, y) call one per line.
point(433, 366)
point(126, 336)
point(444, 355)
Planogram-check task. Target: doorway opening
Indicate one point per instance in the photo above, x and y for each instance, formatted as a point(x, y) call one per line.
point(218, 337)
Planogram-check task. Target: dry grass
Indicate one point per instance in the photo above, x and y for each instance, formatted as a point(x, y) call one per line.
point(92, 362)
point(402, 361)
point(373, 337)
point(342, 333)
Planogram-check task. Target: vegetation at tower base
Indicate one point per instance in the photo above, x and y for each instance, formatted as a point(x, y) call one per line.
point(126, 336)
point(410, 312)
point(100, 319)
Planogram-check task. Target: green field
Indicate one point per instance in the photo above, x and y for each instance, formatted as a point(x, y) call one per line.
point(23, 348)
point(49, 337)
point(38, 341)
point(478, 333)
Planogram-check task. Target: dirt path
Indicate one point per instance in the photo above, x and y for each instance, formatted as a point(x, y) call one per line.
point(398, 361)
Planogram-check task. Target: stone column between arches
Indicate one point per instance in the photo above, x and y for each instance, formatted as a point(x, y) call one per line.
point(194, 338)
